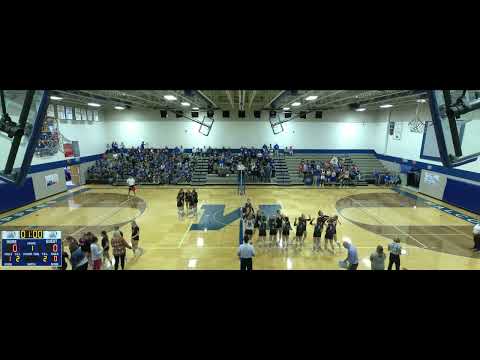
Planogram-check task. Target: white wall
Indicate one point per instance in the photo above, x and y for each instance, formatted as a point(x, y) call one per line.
point(336, 130)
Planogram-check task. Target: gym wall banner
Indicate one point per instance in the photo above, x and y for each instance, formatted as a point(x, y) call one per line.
point(51, 180)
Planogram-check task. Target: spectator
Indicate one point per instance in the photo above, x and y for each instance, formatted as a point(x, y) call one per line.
point(352, 256)
point(135, 237)
point(119, 245)
point(476, 237)
point(377, 259)
point(106, 247)
point(77, 258)
point(277, 149)
point(246, 252)
point(96, 252)
point(395, 251)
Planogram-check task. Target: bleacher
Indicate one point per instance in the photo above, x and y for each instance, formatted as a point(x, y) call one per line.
point(366, 163)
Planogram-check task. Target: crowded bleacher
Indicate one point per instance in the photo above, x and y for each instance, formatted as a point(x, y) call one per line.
point(146, 165)
point(333, 171)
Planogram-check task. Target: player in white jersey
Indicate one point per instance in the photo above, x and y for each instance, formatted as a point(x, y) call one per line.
point(131, 185)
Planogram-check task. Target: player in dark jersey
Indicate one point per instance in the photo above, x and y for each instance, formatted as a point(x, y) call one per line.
point(247, 209)
point(180, 203)
point(258, 216)
point(272, 225)
point(286, 227)
point(194, 201)
point(301, 228)
point(188, 200)
point(336, 221)
point(317, 230)
point(279, 223)
point(305, 221)
point(248, 223)
point(330, 233)
point(262, 229)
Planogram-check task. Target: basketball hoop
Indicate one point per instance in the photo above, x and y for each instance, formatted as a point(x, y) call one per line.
point(417, 125)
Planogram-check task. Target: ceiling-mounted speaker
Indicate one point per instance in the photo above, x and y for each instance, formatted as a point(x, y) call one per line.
point(303, 115)
point(287, 115)
point(210, 113)
point(241, 113)
point(194, 114)
point(226, 113)
point(163, 113)
point(318, 114)
point(257, 114)
point(273, 114)
point(179, 114)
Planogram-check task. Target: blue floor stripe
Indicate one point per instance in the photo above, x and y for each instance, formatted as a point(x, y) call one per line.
point(32, 209)
point(445, 209)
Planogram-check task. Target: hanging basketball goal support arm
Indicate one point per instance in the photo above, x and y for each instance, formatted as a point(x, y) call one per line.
point(18, 131)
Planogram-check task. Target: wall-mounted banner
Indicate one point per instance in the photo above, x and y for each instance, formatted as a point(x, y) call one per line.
point(51, 180)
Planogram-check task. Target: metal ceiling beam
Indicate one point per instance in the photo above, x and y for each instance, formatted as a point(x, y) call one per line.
point(288, 103)
point(206, 98)
point(230, 99)
point(251, 99)
point(275, 98)
point(320, 98)
point(190, 101)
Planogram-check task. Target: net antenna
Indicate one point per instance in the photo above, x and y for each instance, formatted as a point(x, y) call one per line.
point(417, 124)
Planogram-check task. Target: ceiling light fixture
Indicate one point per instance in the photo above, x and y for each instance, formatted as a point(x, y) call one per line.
point(119, 108)
point(170, 97)
point(185, 104)
point(53, 97)
point(296, 104)
point(421, 101)
point(360, 109)
point(386, 106)
point(195, 108)
point(94, 104)
point(311, 97)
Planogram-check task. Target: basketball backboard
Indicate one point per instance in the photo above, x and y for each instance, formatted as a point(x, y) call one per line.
point(456, 124)
point(21, 119)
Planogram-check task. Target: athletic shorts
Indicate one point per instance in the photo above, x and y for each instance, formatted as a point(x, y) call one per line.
point(262, 233)
point(132, 188)
point(248, 232)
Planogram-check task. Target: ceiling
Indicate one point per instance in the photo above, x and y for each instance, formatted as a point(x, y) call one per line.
point(248, 100)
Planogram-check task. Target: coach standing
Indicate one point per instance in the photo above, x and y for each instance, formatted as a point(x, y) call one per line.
point(246, 252)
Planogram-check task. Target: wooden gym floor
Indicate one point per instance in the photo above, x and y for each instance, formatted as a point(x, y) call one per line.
point(369, 216)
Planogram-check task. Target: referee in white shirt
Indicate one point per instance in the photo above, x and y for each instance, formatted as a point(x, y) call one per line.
point(246, 252)
point(476, 237)
point(395, 250)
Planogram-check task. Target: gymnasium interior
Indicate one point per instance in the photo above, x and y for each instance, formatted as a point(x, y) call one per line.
point(412, 157)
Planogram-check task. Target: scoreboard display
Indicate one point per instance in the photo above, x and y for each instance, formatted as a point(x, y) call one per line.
point(31, 248)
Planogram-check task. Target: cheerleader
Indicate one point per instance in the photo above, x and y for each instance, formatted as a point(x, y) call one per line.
point(262, 229)
point(194, 202)
point(180, 203)
point(286, 227)
point(272, 225)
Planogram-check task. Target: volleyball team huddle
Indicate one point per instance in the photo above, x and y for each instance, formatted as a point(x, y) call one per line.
point(279, 228)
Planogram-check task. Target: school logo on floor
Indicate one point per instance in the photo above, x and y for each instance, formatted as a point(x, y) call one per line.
point(213, 217)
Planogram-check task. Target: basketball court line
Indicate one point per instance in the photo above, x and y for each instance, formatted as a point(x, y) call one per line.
point(190, 225)
point(381, 222)
point(120, 207)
